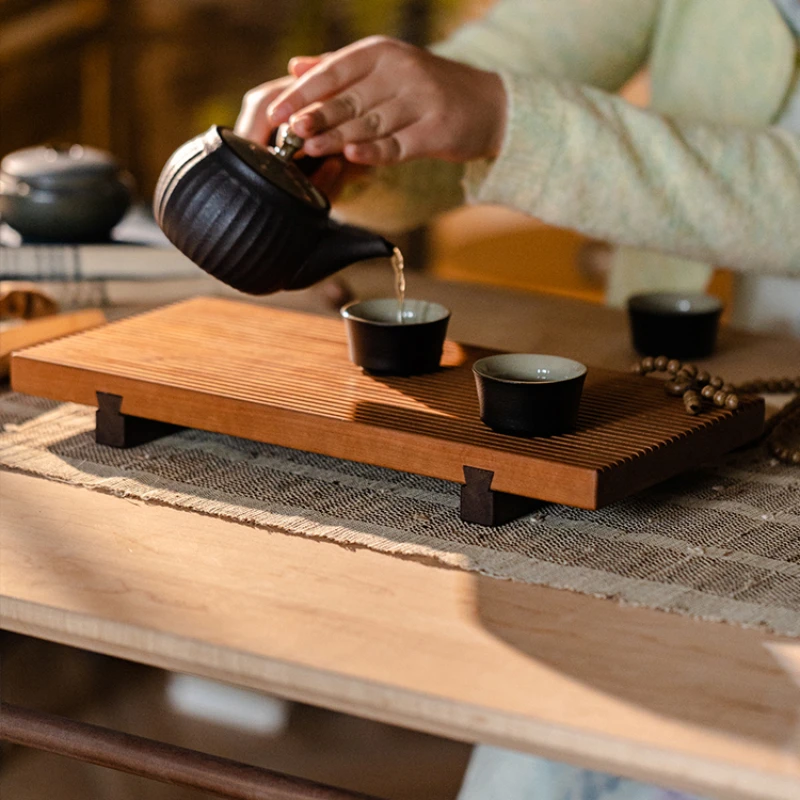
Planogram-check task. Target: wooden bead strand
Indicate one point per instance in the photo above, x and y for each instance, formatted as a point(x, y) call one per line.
point(692, 401)
point(695, 385)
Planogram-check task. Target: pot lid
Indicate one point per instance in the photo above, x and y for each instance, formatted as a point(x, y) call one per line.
point(54, 163)
point(276, 165)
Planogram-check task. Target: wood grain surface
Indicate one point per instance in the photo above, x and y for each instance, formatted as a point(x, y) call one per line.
point(687, 704)
point(684, 703)
point(33, 332)
point(285, 378)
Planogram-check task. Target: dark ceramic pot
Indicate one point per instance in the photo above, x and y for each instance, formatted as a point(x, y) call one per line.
point(63, 194)
point(247, 215)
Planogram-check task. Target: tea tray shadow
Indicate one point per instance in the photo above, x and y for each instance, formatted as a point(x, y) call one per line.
point(285, 378)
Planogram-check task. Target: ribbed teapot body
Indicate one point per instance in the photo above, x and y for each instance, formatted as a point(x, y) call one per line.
point(231, 221)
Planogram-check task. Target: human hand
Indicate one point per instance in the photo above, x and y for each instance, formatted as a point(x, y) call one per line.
point(381, 101)
point(253, 122)
point(329, 174)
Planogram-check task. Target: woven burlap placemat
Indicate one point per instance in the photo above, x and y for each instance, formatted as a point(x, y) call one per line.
point(718, 543)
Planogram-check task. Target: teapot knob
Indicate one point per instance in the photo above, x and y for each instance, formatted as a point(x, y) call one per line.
point(287, 143)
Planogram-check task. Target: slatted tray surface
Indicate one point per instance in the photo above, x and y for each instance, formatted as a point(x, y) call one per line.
point(285, 378)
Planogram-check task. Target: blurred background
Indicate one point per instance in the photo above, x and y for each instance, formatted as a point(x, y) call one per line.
point(140, 77)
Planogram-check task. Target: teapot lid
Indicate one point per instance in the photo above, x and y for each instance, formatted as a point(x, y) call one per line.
point(54, 163)
point(275, 164)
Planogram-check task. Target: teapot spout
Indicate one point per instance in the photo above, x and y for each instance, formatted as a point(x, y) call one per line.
point(340, 246)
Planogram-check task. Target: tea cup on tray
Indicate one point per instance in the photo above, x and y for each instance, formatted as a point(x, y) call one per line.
point(526, 394)
point(388, 338)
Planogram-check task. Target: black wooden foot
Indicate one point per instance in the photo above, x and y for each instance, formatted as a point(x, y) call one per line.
point(116, 429)
point(481, 505)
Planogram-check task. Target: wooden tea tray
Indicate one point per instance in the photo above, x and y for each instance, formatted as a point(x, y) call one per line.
point(285, 378)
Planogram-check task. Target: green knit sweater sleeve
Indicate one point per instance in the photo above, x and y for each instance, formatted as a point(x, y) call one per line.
point(578, 157)
point(596, 42)
point(599, 43)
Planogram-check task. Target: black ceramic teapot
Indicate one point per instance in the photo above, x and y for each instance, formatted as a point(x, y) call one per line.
point(249, 216)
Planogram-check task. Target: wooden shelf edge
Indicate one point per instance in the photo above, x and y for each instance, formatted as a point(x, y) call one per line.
point(383, 703)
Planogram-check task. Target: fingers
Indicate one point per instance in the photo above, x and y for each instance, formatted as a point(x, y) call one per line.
point(299, 65)
point(359, 101)
point(330, 77)
point(377, 123)
point(320, 117)
point(403, 145)
point(381, 101)
point(253, 122)
point(375, 153)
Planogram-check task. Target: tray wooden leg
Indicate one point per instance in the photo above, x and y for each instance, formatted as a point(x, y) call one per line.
point(115, 429)
point(481, 505)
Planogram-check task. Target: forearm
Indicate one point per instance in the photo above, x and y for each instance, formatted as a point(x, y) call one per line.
point(580, 158)
point(600, 43)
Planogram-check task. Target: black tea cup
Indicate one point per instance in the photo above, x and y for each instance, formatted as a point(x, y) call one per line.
point(529, 394)
point(382, 342)
point(674, 324)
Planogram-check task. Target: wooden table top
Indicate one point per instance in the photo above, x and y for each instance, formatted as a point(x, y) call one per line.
point(706, 707)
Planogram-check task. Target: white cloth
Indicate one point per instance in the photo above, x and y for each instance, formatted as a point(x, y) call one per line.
point(497, 774)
